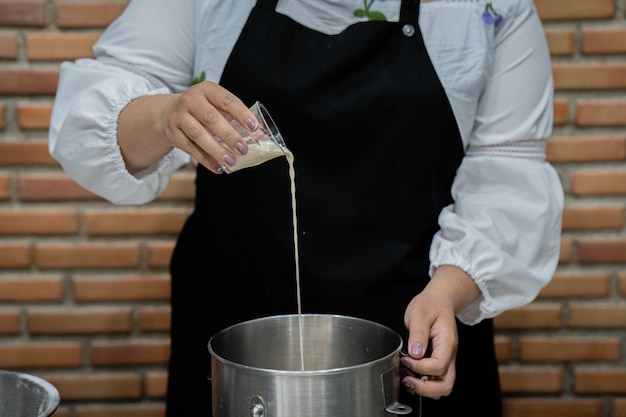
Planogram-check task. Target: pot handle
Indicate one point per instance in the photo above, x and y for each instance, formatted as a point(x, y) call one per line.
point(391, 382)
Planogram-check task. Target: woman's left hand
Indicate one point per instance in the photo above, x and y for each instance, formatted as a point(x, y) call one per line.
point(429, 368)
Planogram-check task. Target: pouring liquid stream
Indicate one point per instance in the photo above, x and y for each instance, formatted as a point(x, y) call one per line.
point(292, 178)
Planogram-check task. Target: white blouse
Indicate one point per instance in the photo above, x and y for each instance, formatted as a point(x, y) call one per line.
point(504, 226)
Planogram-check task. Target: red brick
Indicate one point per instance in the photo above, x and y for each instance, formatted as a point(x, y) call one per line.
point(604, 40)
point(9, 322)
point(622, 283)
point(569, 349)
point(593, 218)
point(561, 111)
point(561, 41)
point(154, 319)
point(80, 14)
point(160, 253)
point(125, 410)
point(125, 353)
point(593, 251)
point(600, 381)
point(619, 407)
point(553, 407)
point(608, 315)
point(23, 13)
point(71, 321)
point(69, 255)
point(586, 148)
point(41, 355)
point(601, 112)
point(60, 46)
point(575, 9)
point(96, 386)
point(2, 119)
point(34, 116)
point(27, 81)
point(5, 187)
point(63, 411)
point(504, 348)
point(30, 152)
point(30, 288)
point(589, 75)
point(38, 221)
point(8, 45)
point(156, 384)
point(136, 221)
point(545, 379)
point(14, 255)
point(598, 182)
point(88, 288)
point(566, 250)
point(577, 285)
point(181, 187)
point(532, 316)
point(51, 187)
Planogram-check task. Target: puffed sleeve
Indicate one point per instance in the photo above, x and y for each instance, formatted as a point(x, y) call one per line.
point(148, 50)
point(504, 226)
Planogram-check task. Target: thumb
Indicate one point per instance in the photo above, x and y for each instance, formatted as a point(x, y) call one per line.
point(418, 339)
point(418, 321)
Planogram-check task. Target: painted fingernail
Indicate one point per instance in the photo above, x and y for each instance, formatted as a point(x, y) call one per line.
point(229, 160)
point(242, 148)
point(218, 168)
point(407, 383)
point(416, 349)
point(251, 123)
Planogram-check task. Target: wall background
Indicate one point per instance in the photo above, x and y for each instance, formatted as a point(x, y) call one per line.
point(84, 285)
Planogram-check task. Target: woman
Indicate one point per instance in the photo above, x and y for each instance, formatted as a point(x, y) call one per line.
point(424, 199)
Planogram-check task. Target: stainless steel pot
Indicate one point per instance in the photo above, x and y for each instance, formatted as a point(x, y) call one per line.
point(24, 395)
point(348, 367)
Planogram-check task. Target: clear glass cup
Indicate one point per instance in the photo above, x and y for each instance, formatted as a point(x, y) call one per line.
point(264, 143)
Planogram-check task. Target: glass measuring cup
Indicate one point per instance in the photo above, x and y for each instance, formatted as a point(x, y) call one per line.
point(264, 143)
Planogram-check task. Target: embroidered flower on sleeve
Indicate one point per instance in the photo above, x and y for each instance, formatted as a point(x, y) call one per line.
point(199, 78)
point(490, 16)
point(368, 13)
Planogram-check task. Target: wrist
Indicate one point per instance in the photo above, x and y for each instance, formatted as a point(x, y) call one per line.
point(455, 285)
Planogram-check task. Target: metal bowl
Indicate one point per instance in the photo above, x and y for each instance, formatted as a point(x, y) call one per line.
point(24, 395)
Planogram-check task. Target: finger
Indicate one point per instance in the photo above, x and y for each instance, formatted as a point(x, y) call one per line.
point(211, 120)
point(425, 366)
point(231, 106)
point(222, 107)
point(195, 140)
point(419, 333)
point(429, 386)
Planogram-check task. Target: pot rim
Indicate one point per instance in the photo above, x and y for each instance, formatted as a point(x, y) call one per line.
point(307, 373)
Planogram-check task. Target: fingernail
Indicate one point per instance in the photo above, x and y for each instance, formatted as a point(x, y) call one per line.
point(251, 123)
point(407, 383)
point(242, 148)
point(416, 349)
point(218, 168)
point(229, 160)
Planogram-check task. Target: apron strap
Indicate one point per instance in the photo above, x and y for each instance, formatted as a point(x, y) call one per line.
point(410, 11)
point(267, 4)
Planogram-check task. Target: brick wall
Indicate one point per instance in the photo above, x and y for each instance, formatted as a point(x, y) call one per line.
point(84, 286)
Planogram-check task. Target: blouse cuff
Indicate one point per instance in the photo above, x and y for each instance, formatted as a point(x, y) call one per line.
point(83, 134)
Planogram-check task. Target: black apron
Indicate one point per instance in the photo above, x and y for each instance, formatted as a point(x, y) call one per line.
point(376, 149)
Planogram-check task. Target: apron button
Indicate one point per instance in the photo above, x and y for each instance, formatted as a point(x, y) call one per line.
point(408, 30)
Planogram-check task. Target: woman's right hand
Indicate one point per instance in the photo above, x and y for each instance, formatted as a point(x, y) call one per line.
point(149, 127)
